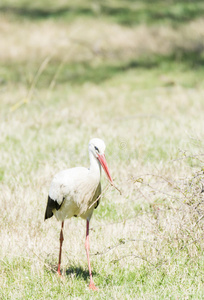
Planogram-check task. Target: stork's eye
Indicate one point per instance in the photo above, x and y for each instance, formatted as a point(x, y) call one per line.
point(96, 149)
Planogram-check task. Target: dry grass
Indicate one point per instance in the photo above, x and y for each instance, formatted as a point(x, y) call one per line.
point(83, 41)
point(145, 243)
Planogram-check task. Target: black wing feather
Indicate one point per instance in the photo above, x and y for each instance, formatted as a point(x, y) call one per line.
point(51, 204)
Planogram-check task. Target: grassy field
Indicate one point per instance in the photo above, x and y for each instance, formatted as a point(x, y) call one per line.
point(131, 73)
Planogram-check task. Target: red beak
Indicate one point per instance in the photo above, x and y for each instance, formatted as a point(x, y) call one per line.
point(103, 162)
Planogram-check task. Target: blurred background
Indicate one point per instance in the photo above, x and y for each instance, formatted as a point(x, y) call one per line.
point(75, 42)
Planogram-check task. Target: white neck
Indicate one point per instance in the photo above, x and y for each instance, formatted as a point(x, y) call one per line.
point(95, 166)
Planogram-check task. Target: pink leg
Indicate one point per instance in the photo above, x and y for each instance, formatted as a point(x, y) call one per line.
point(60, 251)
point(91, 285)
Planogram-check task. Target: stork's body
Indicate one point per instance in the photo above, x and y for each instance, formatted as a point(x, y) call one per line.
point(76, 192)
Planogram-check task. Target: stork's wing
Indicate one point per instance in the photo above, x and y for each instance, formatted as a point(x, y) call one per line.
point(51, 205)
point(62, 187)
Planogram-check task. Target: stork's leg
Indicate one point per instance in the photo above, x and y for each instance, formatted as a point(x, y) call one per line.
point(91, 285)
point(60, 251)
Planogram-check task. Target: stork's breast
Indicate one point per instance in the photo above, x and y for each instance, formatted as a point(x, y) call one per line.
point(89, 197)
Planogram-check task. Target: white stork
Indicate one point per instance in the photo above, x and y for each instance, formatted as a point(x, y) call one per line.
point(76, 192)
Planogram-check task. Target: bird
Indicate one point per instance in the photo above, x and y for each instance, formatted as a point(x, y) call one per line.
point(76, 192)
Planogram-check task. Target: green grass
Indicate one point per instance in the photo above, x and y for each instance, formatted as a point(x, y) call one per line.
point(114, 283)
point(131, 73)
point(144, 67)
point(127, 13)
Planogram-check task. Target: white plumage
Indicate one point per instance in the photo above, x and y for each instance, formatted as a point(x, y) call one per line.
point(76, 192)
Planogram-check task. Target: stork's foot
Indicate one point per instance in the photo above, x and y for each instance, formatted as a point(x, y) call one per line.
point(60, 276)
point(59, 272)
point(93, 287)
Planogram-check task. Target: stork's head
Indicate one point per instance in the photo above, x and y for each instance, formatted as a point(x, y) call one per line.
point(97, 148)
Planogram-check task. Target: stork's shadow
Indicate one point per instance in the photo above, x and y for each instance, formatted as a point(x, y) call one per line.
point(71, 271)
point(79, 272)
